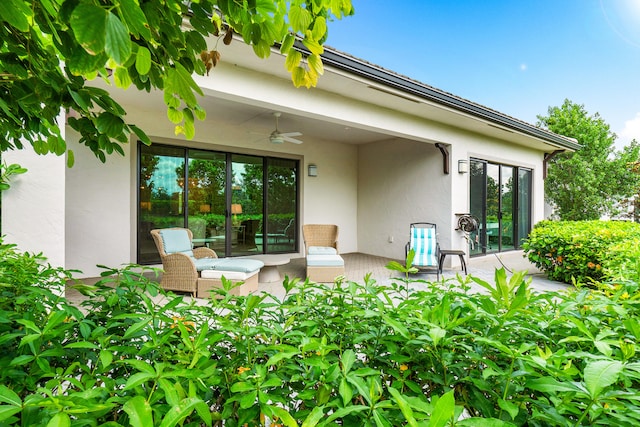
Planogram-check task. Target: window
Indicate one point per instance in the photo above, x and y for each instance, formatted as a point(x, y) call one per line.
point(235, 204)
point(500, 197)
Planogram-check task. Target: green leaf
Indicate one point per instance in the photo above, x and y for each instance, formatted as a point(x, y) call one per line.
point(300, 18)
point(280, 356)
point(343, 412)
point(89, 24)
point(314, 416)
point(443, 410)
point(70, 158)
point(106, 357)
point(117, 41)
point(143, 60)
point(484, 422)
point(140, 134)
point(241, 387)
point(313, 46)
point(601, 374)
point(315, 63)
point(122, 77)
point(21, 360)
point(319, 28)
point(7, 411)
point(175, 115)
point(134, 18)
point(139, 411)
point(16, 13)
point(181, 411)
point(284, 415)
point(511, 408)
point(83, 63)
point(345, 391)
point(248, 400)
point(9, 396)
point(287, 44)
point(82, 344)
point(112, 125)
point(179, 82)
point(348, 358)
point(293, 60)
point(137, 379)
point(406, 410)
point(60, 419)
point(551, 385)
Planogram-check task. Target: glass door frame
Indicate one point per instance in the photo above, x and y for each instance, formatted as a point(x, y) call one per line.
point(478, 198)
point(182, 216)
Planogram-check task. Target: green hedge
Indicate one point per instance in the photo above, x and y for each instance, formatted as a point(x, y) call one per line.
point(585, 251)
point(344, 355)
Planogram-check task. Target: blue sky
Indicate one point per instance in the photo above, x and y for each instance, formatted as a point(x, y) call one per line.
point(516, 56)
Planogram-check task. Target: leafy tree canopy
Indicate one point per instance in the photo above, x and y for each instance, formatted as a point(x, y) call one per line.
point(591, 182)
point(51, 49)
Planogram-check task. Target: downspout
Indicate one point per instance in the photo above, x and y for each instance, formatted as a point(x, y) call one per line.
point(547, 159)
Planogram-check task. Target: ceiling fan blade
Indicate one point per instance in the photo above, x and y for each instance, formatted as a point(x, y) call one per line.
point(291, 134)
point(292, 140)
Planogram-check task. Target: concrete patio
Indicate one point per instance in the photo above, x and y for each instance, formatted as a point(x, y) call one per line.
point(357, 265)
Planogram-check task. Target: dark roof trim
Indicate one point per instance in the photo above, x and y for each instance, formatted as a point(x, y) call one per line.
point(380, 75)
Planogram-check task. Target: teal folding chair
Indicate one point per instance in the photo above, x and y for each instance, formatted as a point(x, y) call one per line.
point(423, 239)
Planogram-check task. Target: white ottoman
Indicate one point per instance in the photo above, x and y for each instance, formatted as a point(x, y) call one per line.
point(210, 279)
point(324, 268)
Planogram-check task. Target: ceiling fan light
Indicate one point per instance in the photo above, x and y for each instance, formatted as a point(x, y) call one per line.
point(277, 140)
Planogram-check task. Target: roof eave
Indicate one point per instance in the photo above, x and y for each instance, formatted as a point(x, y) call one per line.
point(360, 68)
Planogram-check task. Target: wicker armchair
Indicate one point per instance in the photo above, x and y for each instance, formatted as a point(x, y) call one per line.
point(180, 272)
point(199, 270)
point(321, 250)
point(323, 235)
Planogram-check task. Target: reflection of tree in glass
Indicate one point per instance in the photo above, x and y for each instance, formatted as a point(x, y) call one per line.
point(282, 187)
point(507, 199)
point(252, 195)
point(493, 195)
point(148, 165)
point(206, 182)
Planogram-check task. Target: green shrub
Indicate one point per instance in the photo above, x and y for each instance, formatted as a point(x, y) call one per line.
point(344, 355)
point(584, 251)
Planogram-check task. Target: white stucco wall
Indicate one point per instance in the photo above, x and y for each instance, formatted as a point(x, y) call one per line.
point(400, 182)
point(98, 205)
point(33, 209)
point(332, 196)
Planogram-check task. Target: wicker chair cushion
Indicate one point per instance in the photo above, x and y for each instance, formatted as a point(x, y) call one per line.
point(228, 264)
point(322, 250)
point(176, 241)
point(324, 261)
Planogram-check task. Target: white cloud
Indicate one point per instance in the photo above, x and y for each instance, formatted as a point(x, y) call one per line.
point(630, 131)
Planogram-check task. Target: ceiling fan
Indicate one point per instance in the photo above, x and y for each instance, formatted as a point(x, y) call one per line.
point(278, 137)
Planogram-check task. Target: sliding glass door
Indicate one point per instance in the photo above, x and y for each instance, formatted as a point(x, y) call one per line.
point(500, 198)
point(223, 198)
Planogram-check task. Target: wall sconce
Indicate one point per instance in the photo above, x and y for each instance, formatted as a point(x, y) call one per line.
point(463, 166)
point(313, 170)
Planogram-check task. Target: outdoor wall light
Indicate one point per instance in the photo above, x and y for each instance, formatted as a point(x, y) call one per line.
point(313, 170)
point(463, 166)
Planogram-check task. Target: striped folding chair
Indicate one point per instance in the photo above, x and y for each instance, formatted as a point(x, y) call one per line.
point(423, 239)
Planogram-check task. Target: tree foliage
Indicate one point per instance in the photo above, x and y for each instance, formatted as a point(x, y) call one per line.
point(50, 50)
point(591, 182)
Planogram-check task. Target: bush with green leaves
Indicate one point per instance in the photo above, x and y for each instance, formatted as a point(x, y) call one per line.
point(585, 251)
point(351, 354)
